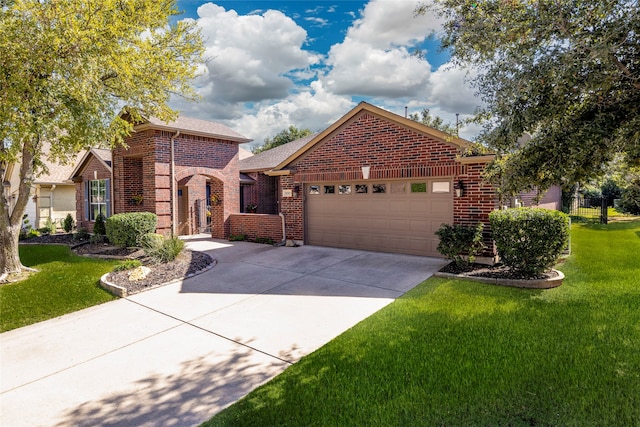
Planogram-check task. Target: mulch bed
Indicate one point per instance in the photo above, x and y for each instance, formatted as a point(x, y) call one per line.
point(186, 264)
point(497, 271)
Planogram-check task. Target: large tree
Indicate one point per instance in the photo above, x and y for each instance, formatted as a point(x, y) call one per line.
point(567, 72)
point(285, 135)
point(67, 68)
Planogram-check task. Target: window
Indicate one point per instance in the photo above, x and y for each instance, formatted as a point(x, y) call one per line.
point(344, 189)
point(97, 199)
point(440, 187)
point(418, 187)
point(379, 188)
point(362, 188)
point(329, 189)
point(314, 189)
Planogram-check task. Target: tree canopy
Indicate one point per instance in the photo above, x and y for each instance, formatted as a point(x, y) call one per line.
point(435, 122)
point(285, 135)
point(68, 67)
point(567, 72)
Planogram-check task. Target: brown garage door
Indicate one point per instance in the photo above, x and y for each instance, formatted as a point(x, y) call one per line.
point(392, 216)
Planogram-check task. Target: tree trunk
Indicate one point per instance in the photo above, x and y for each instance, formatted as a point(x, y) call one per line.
point(11, 221)
point(10, 259)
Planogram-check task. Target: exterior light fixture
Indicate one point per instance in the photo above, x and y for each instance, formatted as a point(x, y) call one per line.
point(365, 172)
point(459, 188)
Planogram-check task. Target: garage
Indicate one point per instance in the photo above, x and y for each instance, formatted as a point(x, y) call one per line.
point(398, 216)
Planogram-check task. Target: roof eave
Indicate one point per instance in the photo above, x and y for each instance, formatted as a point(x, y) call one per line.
point(149, 126)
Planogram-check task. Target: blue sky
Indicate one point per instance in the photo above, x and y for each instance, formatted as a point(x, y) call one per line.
point(306, 63)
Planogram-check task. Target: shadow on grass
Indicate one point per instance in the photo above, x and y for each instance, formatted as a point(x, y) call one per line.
point(491, 357)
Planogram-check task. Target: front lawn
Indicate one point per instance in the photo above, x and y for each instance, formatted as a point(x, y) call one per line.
point(65, 283)
point(457, 353)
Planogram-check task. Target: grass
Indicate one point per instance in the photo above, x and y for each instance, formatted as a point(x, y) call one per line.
point(457, 353)
point(589, 214)
point(65, 283)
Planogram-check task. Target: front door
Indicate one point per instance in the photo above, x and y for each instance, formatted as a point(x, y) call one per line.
point(183, 211)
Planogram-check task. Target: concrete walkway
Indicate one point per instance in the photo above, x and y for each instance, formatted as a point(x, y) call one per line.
point(176, 355)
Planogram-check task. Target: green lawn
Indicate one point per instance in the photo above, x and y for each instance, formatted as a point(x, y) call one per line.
point(65, 283)
point(457, 353)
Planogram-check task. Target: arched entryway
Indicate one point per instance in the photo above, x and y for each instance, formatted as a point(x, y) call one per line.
point(199, 202)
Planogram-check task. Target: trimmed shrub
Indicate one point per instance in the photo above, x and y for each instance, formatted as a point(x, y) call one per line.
point(68, 223)
point(161, 249)
point(630, 202)
point(49, 226)
point(126, 229)
point(530, 240)
point(99, 227)
point(459, 240)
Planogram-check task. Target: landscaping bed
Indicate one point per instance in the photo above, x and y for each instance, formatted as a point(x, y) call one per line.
point(187, 264)
point(501, 275)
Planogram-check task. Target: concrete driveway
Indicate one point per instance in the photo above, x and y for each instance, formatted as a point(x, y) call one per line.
point(176, 355)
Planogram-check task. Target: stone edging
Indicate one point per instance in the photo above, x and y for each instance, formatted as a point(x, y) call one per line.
point(517, 283)
point(121, 292)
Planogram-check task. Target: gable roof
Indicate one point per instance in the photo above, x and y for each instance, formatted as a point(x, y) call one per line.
point(192, 126)
point(365, 106)
point(103, 155)
point(269, 159)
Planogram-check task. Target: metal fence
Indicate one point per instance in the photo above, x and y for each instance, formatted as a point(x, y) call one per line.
point(590, 208)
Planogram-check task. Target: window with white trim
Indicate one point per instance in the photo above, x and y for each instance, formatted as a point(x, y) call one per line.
point(97, 198)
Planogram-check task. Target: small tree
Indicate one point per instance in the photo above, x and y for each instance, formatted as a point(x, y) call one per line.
point(284, 136)
point(99, 228)
point(68, 223)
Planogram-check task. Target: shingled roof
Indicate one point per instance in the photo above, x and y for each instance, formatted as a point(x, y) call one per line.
point(269, 159)
point(194, 127)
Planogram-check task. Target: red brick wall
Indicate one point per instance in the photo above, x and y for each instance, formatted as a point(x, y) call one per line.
point(87, 174)
point(264, 194)
point(211, 158)
point(257, 225)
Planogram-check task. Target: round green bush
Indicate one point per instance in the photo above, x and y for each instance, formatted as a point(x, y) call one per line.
point(126, 229)
point(529, 240)
point(631, 198)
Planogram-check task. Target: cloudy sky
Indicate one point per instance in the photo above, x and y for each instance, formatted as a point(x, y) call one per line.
point(272, 64)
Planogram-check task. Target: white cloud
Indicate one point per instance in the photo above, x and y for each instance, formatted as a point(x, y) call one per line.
point(451, 89)
point(374, 58)
point(249, 55)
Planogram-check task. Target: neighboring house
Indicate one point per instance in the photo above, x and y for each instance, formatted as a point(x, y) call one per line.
point(52, 193)
point(185, 171)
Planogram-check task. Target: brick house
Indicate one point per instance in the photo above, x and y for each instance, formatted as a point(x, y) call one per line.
point(185, 171)
point(373, 180)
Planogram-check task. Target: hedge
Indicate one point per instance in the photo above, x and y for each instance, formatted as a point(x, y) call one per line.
point(530, 240)
point(126, 229)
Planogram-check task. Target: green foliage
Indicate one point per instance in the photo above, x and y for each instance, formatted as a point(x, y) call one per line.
point(81, 235)
point(434, 121)
point(459, 240)
point(99, 227)
point(126, 229)
point(611, 190)
point(564, 72)
point(68, 223)
point(129, 264)
point(284, 136)
point(32, 233)
point(161, 249)
point(49, 226)
point(630, 202)
point(68, 67)
point(237, 237)
point(529, 240)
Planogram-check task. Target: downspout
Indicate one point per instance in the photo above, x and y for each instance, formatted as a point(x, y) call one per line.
point(51, 201)
point(284, 233)
point(173, 185)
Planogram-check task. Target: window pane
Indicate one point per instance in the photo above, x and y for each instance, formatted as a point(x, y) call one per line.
point(344, 189)
point(440, 187)
point(362, 188)
point(314, 189)
point(329, 189)
point(418, 187)
point(379, 188)
point(398, 187)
